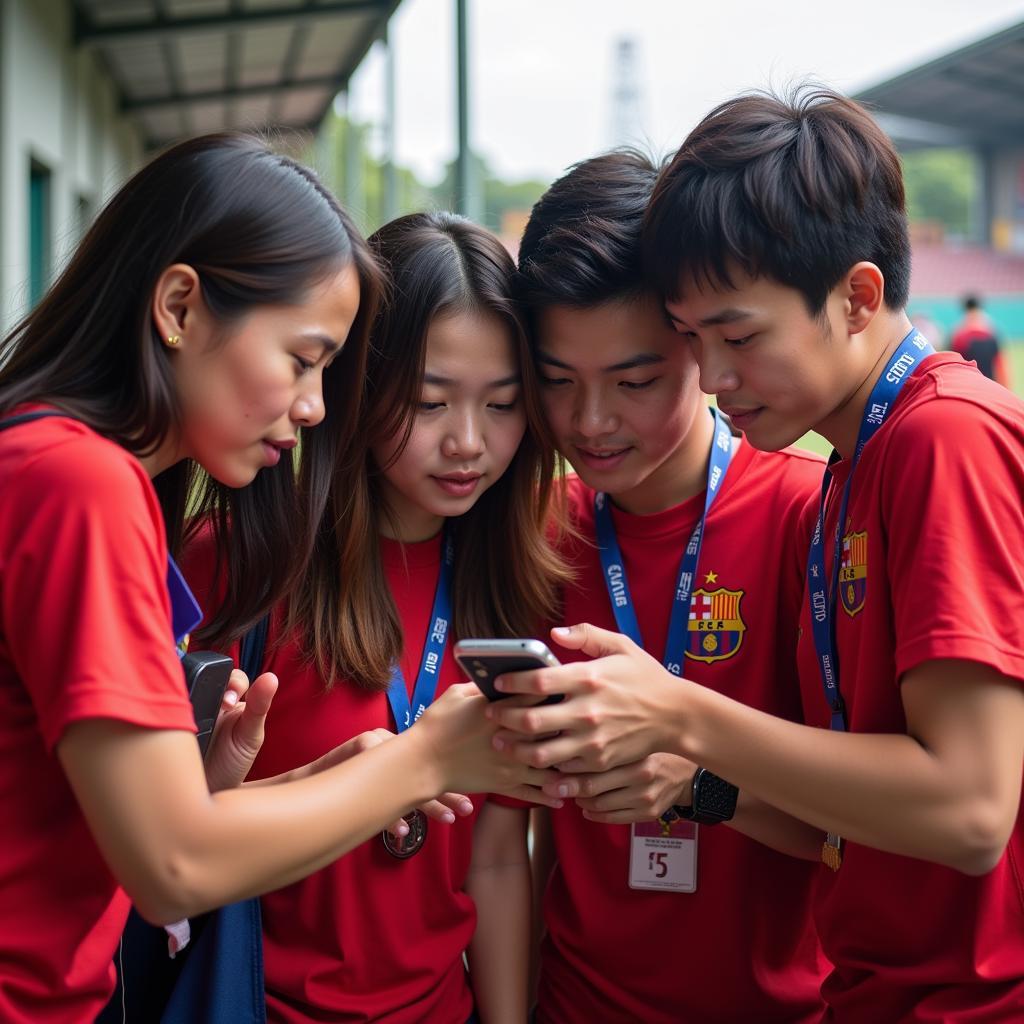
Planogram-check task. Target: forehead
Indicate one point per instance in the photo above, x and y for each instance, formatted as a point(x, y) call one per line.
point(609, 333)
point(700, 303)
point(468, 344)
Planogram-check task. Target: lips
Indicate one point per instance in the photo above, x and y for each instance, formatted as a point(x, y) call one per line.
point(741, 417)
point(601, 458)
point(458, 485)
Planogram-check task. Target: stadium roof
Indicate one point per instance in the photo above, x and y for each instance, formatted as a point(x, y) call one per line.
point(972, 96)
point(188, 66)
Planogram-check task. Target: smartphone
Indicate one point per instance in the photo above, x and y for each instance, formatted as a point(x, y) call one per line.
point(484, 660)
point(206, 678)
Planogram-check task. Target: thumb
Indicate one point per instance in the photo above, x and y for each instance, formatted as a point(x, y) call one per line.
point(249, 728)
point(598, 643)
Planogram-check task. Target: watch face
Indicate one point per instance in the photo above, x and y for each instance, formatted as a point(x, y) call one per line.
point(714, 799)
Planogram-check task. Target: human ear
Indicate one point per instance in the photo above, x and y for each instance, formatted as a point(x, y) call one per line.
point(177, 307)
point(865, 294)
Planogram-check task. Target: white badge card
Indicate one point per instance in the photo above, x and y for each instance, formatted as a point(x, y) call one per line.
point(663, 856)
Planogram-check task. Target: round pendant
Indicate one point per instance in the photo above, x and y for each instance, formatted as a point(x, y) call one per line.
point(406, 846)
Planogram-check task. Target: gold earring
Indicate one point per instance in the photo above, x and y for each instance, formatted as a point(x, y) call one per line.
point(173, 340)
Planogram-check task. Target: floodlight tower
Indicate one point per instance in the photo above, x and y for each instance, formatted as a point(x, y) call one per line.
point(627, 121)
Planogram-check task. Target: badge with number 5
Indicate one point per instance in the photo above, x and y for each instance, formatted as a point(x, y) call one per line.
point(663, 856)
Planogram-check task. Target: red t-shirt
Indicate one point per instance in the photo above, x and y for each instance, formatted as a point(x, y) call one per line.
point(741, 948)
point(933, 542)
point(85, 632)
point(369, 937)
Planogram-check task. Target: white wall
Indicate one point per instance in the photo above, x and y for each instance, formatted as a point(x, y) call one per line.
point(57, 106)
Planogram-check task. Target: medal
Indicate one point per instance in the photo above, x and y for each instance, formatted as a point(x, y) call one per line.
point(404, 847)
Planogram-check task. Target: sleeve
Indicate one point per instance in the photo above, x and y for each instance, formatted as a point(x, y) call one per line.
point(85, 607)
point(954, 516)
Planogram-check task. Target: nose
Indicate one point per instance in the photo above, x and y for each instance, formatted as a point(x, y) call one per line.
point(592, 415)
point(464, 439)
point(308, 408)
point(717, 375)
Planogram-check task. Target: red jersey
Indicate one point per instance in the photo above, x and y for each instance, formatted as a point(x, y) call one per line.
point(933, 543)
point(741, 948)
point(368, 938)
point(85, 632)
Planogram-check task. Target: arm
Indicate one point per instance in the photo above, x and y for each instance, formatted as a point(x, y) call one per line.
point(948, 790)
point(178, 849)
point(499, 882)
point(643, 790)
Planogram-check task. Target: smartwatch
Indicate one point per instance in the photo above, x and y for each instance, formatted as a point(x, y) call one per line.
point(714, 799)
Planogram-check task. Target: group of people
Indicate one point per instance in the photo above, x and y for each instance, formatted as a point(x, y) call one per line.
point(777, 776)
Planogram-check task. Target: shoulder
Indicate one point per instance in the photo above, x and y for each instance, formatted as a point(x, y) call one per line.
point(63, 462)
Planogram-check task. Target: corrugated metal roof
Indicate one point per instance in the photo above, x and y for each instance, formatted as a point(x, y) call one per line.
point(189, 66)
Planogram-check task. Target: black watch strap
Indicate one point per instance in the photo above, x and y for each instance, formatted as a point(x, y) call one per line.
point(714, 799)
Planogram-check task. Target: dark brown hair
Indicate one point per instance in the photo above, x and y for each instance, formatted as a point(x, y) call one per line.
point(259, 229)
point(506, 573)
point(795, 189)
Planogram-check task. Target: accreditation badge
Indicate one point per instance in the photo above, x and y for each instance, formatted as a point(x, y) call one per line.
point(663, 856)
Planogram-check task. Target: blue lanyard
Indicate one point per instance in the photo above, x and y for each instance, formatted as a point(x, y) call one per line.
point(185, 611)
point(913, 349)
point(615, 572)
point(433, 650)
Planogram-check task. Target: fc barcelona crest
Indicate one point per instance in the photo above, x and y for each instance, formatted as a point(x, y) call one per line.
point(716, 626)
point(853, 572)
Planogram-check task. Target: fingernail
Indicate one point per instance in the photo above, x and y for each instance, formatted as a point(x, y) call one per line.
point(466, 807)
point(562, 630)
point(558, 803)
point(230, 697)
point(498, 743)
point(448, 817)
point(563, 790)
point(499, 683)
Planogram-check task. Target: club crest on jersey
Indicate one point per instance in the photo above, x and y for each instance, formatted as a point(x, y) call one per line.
point(716, 627)
point(853, 572)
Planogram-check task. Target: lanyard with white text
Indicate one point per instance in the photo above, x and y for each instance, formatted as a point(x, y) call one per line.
point(615, 572)
point(433, 649)
point(912, 350)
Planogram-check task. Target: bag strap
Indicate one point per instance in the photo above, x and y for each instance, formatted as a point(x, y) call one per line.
point(28, 417)
point(253, 647)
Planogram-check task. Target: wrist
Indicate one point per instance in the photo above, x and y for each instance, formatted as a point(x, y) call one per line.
point(712, 800)
point(429, 768)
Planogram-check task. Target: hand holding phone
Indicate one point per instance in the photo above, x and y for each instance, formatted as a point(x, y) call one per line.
point(484, 660)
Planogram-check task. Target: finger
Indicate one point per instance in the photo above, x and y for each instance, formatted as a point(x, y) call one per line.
point(628, 799)
point(249, 729)
point(598, 643)
point(534, 721)
point(535, 795)
point(457, 802)
point(399, 829)
point(260, 694)
point(589, 784)
point(566, 751)
point(238, 683)
point(544, 682)
point(437, 811)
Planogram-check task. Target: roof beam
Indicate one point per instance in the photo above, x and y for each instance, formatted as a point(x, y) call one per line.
point(90, 35)
point(336, 82)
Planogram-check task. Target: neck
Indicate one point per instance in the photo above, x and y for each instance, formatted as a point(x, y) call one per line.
point(842, 426)
point(405, 522)
point(163, 458)
point(680, 477)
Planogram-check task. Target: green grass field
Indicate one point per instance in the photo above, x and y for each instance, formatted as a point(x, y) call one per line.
point(1014, 356)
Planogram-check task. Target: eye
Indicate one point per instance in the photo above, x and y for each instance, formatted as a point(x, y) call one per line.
point(304, 365)
point(503, 406)
point(738, 342)
point(554, 382)
point(430, 406)
point(637, 385)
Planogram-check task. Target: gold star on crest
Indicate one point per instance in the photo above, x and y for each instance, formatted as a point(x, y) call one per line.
point(711, 577)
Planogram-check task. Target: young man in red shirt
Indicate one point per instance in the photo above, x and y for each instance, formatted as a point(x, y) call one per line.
point(645, 908)
point(778, 237)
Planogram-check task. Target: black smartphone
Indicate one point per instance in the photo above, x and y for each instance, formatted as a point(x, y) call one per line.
point(206, 678)
point(484, 660)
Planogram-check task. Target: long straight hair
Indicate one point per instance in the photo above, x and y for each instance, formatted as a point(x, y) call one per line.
point(259, 229)
point(506, 571)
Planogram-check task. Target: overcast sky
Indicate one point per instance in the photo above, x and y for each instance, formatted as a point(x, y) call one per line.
point(542, 71)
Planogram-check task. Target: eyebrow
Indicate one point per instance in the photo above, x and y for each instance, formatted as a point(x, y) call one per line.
point(442, 382)
point(643, 359)
point(329, 344)
point(726, 316)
